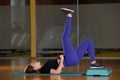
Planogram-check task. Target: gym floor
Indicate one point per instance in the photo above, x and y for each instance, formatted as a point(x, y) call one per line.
point(10, 65)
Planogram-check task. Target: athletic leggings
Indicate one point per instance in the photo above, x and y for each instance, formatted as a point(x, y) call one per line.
point(72, 56)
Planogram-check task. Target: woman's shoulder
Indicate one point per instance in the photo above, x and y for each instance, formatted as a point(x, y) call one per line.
point(52, 61)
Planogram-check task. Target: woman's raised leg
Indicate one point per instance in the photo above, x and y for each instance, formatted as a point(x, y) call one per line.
point(69, 51)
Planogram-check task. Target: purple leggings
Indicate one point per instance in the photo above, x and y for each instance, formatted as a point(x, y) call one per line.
point(73, 56)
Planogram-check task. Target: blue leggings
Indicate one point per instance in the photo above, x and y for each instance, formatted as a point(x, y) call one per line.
point(73, 56)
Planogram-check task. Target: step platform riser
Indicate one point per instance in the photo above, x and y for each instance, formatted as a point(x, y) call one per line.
point(99, 72)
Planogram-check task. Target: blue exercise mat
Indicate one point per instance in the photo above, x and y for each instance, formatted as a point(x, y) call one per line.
point(89, 72)
point(39, 74)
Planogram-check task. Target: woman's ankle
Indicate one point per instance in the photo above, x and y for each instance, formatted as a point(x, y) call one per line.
point(69, 15)
point(93, 62)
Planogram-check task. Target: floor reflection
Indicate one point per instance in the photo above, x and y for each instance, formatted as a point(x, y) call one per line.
point(56, 78)
point(43, 78)
point(97, 78)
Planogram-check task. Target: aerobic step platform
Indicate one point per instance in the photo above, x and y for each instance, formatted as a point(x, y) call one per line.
point(99, 72)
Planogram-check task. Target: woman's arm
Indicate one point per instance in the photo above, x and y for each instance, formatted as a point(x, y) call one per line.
point(60, 66)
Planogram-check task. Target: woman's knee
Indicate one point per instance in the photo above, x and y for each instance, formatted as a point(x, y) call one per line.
point(89, 40)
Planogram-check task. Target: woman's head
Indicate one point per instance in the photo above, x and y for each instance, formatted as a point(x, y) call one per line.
point(32, 67)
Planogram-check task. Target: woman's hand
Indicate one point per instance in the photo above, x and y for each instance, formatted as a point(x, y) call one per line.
point(61, 57)
point(60, 66)
point(61, 60)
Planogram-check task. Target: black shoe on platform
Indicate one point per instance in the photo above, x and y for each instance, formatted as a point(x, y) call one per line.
point(96, 65)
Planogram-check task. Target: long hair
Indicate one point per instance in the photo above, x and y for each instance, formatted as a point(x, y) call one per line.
point(29, 69)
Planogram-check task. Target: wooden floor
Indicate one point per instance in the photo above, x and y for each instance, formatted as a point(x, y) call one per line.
point(7, 66)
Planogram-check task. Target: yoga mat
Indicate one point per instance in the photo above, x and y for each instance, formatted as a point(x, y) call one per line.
point(89, 72)
point(39, 74)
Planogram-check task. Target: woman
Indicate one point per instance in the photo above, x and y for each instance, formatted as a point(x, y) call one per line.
point(71, 56)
